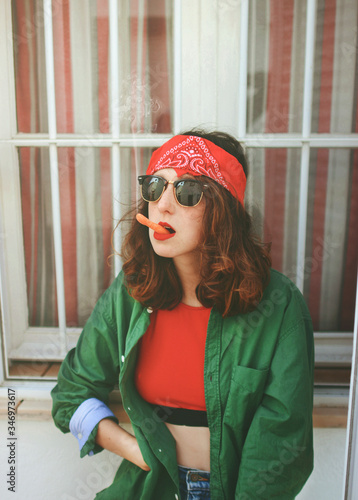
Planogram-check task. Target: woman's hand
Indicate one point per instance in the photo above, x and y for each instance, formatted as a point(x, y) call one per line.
point(115, 439)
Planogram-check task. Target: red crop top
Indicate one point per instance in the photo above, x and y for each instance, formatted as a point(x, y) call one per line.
point(170, 366)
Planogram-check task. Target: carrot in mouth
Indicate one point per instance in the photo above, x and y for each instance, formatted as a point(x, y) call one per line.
point(152, 225)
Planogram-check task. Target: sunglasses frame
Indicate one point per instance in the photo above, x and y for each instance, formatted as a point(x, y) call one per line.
point(141, 179)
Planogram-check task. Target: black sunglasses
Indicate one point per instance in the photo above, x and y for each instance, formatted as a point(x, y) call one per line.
point(188, 192)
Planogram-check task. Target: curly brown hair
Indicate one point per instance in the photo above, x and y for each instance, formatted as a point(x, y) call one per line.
point(234, 263)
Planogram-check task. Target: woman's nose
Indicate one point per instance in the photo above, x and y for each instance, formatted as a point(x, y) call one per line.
point(167, 199)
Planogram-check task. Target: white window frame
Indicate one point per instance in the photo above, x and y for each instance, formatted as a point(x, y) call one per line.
point(53, 343)
point(350, 485)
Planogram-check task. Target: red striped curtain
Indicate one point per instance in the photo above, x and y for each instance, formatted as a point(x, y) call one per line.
point(276, 70)
point(82, 81)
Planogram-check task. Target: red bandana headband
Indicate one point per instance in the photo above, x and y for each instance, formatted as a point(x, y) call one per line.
point(198, 156)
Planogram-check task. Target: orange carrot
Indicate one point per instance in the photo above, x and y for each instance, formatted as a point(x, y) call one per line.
point(146, 222)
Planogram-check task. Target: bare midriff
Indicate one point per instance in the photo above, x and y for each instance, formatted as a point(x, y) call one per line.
point(192, 445)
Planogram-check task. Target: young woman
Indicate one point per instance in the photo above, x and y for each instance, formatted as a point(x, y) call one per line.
point(212, 350)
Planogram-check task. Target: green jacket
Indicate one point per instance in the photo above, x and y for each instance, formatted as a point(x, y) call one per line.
point(258, 379)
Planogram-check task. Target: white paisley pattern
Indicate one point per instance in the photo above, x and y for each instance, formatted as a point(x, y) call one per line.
point(193, 154)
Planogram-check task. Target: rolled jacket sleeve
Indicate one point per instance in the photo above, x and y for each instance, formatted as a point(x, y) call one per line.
point(277, 456)
point(87, 417)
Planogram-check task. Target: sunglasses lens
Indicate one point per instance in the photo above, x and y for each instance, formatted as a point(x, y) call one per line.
point(152, 188)
point(188, 193)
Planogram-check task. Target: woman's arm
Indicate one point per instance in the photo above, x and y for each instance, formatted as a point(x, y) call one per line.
point(114, 438)
point(90, 371)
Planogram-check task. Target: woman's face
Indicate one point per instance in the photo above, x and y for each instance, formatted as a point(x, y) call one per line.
point(186, 221)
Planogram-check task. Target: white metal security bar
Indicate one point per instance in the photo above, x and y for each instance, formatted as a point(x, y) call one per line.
point(244, 31)
point(150, 141)
point(306, 129)
point(115, 123)
point(55, 189)
point(177, 76)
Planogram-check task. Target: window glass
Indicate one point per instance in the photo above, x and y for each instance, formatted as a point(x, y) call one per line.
point(86, 200)
point(272, 198)
point(330, 265)
point(332, 239)
point(82, 71)
point(335, 86)
point(87, 223)
point(276, 52)
point(37, 222)
point(146, 66)
point(29, 64)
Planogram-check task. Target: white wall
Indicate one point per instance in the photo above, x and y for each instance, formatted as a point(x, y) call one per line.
point(326, 481)
point(48, 465)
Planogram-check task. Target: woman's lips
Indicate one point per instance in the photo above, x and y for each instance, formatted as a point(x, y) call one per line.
point(161, 237)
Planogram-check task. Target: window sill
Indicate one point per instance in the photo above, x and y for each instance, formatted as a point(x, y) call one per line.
point(330, 417)
point(330, 396)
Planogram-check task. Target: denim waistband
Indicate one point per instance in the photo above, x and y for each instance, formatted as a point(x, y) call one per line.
point(194, 483)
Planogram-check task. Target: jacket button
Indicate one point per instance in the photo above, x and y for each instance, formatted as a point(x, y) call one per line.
point(122, 359)
point(176, 497)
point(79, 435)
point(149, 310)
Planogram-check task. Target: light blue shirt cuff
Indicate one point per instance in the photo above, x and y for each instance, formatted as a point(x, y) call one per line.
point(86, 417)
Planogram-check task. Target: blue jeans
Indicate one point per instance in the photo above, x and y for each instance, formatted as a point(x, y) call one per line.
point(194, 484)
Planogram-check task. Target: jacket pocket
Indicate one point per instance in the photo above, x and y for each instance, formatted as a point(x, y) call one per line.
point(245, 395)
